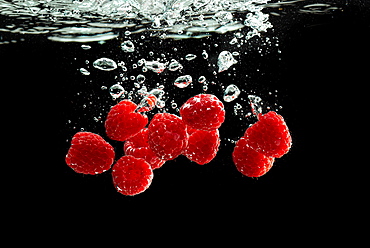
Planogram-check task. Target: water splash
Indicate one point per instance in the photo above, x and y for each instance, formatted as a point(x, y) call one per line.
point(91, 20)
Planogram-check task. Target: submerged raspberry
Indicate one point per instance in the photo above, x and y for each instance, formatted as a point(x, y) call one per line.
point(138, 147)
point(203, 112)
point(89, 154)
point(249, 162)
point(269, 135)
point(202, 146)
point(131, 175)
point(167, 136)
point(122, 122)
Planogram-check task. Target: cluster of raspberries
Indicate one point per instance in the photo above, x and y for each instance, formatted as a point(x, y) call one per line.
point(195, 134)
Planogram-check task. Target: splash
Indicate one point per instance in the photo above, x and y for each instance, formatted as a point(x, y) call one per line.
point(98, 20)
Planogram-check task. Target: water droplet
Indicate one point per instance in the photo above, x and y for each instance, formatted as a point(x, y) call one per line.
point(105, 64)
point(84, 71)
point(116, 91)
point(231, 93)
point(190, 56)
point(225, 60)
point(183, 81)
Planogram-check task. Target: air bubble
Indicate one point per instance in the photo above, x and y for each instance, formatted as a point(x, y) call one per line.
point(183, 81)
point(204, 54)
point(225, 61)
point(84, 71)
point(202, 79)
point(140, 78)
point(155, 66)
point(116, 91)
point(190, 56)
point(85, 47)
point(105, 64)
point(256, 104)
point(174, 66)
point(231, 93)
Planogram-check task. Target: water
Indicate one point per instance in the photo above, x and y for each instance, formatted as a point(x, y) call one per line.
point(139, 49)
point(163, 46)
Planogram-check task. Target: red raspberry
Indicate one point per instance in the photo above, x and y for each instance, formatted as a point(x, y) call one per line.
point(167, 136)
point(89, 154)
point(203, 112)
point(131, 175)
point(202, 146)
point(249, 162)
point(269, 135)
point(138, 147)
point(122, 122)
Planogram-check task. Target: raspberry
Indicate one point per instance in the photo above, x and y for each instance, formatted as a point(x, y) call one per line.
point(131, 175)
point(202, 146)
point(89, 154)
point(122, 122)
point(249, 162)
point(167, 136)
point(203, 112)
point(269, 135)
point(138, 147)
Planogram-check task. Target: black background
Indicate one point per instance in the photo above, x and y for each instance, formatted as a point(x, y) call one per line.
point(324, 63)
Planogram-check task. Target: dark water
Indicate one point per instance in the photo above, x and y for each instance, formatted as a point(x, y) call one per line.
point(303, 72)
